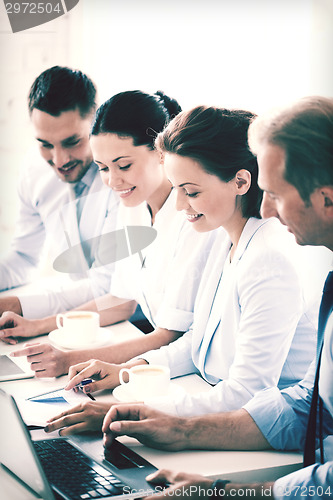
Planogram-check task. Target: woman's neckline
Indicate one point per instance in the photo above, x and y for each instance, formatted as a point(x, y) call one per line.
point(153, 213)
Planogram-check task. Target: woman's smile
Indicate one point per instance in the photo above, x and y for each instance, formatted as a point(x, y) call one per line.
point(193, 217)
point(124, 193)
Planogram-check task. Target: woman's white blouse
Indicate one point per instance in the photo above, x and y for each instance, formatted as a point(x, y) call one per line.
point(252, 328)
point(164, 280)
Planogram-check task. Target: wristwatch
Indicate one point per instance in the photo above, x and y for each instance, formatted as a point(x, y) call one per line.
point(218, 488)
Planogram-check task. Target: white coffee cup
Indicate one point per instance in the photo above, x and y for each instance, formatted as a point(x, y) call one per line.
point(146, 381)
point(80, 326)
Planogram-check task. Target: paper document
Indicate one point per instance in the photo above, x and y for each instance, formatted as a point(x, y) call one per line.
point(39, 409)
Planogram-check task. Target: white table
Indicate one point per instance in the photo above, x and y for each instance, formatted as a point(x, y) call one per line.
point(239, 466)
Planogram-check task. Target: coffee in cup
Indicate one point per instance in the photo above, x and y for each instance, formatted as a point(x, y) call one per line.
point(80, 326)
point(146, 381)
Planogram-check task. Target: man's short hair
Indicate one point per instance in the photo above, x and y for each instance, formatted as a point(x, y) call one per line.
point(305, 133)
point(60, 89)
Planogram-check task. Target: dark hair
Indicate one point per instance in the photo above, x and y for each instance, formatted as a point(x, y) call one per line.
point(135, 114)
point(217, 139)
point(305, 132)
point(61, 89)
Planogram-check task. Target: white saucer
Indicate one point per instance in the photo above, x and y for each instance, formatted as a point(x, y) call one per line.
point(60, 338)
point(123, 393)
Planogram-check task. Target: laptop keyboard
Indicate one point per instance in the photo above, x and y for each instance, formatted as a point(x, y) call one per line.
point(73, 474)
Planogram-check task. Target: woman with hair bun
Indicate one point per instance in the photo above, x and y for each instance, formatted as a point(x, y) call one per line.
point(164, 279)
point(251, 327)
point(165, 282)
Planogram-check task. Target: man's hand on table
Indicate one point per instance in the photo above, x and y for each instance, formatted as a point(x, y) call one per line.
point(149, 426)
point(182, 486)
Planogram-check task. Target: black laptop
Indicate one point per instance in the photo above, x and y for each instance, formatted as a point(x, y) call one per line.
point(58, 469)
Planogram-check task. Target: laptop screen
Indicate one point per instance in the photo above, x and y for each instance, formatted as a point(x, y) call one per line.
point(16, 450)
point(11, 369)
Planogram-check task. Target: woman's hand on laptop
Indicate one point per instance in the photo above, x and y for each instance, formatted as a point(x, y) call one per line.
point(104, 375)
point(87, 416)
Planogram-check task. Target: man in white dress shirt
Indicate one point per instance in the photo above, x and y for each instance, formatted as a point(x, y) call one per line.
point(63, 203)
point(295, 157)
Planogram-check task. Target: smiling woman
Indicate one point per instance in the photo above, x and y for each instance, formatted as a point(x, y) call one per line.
point(165, 280)
point(251, 328)
point(133, 172)
point(122, 140)
point(242, 339)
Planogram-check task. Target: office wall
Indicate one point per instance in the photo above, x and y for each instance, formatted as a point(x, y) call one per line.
point(253, 54)
point(250, 53)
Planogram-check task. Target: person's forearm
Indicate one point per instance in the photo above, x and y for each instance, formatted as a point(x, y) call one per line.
point(10, 304)
point(125, 351)
point(110, 316)
point(44, 325)
point(119, 312)
point(111, 309)
point(234, 430)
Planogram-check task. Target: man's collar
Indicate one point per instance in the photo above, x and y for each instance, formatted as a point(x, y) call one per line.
point(90, 174)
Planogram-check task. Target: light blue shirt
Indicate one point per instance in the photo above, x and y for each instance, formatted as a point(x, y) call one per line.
point(282, 417)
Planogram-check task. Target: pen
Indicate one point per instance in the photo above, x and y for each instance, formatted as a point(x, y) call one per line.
point(90, 396)
point(78, 386)
point(84, 383)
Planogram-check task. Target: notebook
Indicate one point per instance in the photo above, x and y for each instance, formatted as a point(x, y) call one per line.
point(121, 474)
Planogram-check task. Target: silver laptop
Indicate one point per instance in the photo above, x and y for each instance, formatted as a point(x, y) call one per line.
point(14, 368)
point(58, 469)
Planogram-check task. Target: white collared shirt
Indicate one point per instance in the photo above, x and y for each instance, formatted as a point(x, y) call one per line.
point(167, 284)
point(252, 328)
point(47, 221)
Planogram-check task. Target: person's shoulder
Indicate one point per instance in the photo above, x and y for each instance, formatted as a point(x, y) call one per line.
point(268, 241)
point(33, 163)
point(271, 233)
point(37, 177)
